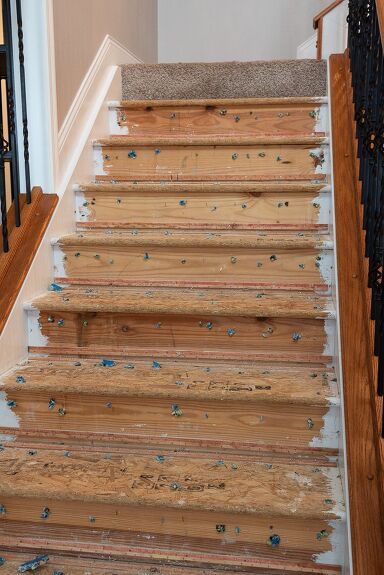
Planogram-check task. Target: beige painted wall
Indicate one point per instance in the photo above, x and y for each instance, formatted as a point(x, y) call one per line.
point(81, 25)
point(212, 30)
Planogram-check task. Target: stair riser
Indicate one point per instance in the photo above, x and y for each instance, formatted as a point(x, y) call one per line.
point(203, 208)
point(160, 331)
point(204, 162)
point(184, 528)
point(238, 424)
point(194, 263)
point(232, 119)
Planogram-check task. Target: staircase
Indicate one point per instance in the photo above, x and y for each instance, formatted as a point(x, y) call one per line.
point(179, 409)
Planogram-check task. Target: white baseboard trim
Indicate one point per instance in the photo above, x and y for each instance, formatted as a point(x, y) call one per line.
point(86, 105)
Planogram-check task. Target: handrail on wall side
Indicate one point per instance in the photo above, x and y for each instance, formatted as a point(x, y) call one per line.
point(318, 24)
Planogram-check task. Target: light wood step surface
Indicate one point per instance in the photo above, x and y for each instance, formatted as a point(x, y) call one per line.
point(249, 407)
point(249, 116)
point(225, 302)
point(199, 206)
point(210, 158)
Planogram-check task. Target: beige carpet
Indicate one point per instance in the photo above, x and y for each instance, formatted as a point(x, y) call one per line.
point(277, 78)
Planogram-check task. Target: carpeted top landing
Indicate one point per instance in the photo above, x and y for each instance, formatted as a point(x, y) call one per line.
point(263, 79)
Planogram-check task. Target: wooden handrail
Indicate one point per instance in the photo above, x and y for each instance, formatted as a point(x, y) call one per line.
point(318, 24)
point(380, 16)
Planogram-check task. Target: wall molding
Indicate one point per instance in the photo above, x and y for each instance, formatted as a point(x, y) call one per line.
point(90, 97)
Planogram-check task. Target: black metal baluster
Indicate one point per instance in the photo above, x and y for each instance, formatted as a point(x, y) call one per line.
point(23, 101)
point(11, 155)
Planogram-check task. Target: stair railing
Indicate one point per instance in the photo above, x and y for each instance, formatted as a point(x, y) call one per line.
point(318, 24)
point(10, 192)
point(365, 43)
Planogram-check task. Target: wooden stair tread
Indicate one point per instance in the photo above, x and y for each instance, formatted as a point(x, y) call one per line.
point(292, 101)
point(214, 140)
point(245, 302)
point(175, 381)
point(200, 238)
point(250, 487)
point(204, 186)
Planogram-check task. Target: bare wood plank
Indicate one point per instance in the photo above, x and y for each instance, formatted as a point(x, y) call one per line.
point(201, 207)
point(237, 161)
point(365, 494)
point(231, 119)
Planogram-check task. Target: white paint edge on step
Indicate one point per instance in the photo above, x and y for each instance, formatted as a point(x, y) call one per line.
point(328, 435)
point(35, 335)
point(98, 161)
point(337, 541)
point(59, 259)
point(8, 417)
point(115, 128)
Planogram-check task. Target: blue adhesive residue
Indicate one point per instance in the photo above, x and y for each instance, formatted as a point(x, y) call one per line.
point(55, 287)
point(160, 458)
point(107, 363)
point(183, 203)
point(231, 331)
point(20, 379)
point(2, 561)
point(129, 366)
point(45, 513)
point(156, 365)
point(176, 410)
point(157, 151)
point(11, 403)
point(147, 256)
point(274, 540)
point(33, 564)
point(132, 154)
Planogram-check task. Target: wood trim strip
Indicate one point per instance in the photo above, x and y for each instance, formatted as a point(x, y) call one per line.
point(284, 101)
point(24, 243)
point(200, 355)
point(362, 434)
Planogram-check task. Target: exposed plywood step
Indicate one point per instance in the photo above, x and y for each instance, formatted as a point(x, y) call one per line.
point(203, 204)
point(235, 506)
point(257, 116)
point(245, 302)
point(183, 404)
point(209, 256)
point(211, 158)
point(163, 319)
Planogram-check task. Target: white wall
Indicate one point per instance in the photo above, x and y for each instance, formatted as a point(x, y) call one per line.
point(214, 30)
point(81, 25)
